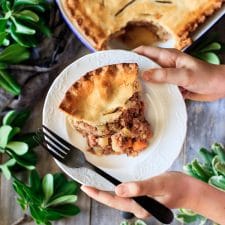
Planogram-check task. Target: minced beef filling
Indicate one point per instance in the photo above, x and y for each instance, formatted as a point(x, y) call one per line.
point(129, 134)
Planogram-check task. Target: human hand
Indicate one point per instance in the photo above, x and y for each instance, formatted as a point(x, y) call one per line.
point(172, 189)
point(199, 81)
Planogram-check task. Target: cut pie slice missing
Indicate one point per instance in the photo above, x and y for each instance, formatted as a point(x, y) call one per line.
point(105, 106)
point(138, 22)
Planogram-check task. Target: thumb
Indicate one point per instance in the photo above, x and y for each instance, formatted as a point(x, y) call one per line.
point(178, 76)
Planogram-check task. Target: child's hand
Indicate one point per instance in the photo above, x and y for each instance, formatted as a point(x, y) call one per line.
point(172, 189)
point(198, 80)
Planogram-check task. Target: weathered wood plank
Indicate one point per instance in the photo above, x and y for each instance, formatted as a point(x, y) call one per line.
point(101, 215)
point(9, 210)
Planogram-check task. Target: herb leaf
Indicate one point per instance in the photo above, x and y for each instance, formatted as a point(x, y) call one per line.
point(27, 15)
point(209, 57)
point(214, 46)
point(35, 181)
point(20, 148)
point(14, 54)
point(66, 199)
point(4, 135)
point(3, 36)
point(22, 29)
point(14, 131)
point(3, 22)
point(5, 168)
point(23, 40)
point(16, 118)
point(8, 83)
point(67, 210)
point(48, 186)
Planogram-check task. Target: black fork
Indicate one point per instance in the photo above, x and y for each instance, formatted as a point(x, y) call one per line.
point(73, 157)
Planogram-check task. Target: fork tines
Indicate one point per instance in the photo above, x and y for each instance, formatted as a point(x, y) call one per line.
point(54, 144)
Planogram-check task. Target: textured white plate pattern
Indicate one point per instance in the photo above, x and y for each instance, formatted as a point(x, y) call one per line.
point(165, 110)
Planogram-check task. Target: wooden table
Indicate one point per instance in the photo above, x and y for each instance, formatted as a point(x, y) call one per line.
point(206, 125)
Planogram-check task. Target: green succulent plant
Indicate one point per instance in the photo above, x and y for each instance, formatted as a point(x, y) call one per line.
point(211, 171)
point(47, 199)
point(15, 146)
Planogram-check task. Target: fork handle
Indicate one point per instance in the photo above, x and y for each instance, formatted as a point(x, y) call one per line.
point(106, 175)
point(155, 208)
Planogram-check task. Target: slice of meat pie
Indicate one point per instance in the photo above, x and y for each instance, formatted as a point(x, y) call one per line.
point(106, 107)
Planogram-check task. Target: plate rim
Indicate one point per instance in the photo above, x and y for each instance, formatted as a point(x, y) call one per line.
point(108, 52)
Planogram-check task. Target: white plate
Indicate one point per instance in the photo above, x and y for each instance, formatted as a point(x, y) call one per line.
point(165, 110)
point(203, 28)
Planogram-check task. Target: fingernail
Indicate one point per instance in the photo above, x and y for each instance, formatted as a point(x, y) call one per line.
point(137, 49)
point(82, 187)
point(121, 189)
point(146, 75)
point(155, 75)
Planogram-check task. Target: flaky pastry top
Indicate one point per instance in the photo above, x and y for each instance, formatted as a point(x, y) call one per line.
point(99, 20)
point(99, 96)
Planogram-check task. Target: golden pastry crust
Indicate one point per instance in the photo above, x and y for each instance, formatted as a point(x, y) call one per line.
point(96, 96)
point(77, 13)
point(99, 20)
point(194, 21)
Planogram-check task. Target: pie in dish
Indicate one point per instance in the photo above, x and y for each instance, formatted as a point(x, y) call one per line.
point(105, 106)
point(138, 22)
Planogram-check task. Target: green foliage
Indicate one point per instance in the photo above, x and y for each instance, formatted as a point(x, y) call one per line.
point(188, 216)
point(21, 25)
point(48, 199)
point(12, 54)
point(208, 50)
point(16, 149)
point(21, 20)
point(16, 118)
point(211, 171)
point(133, 222)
